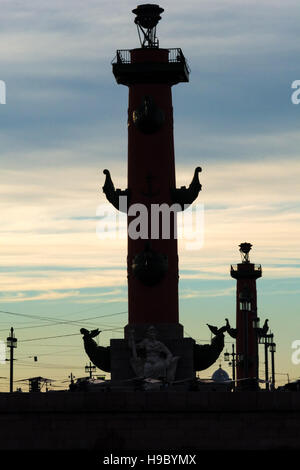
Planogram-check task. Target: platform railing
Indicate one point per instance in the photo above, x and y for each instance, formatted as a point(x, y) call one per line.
point(235, 267)
point(123, 56)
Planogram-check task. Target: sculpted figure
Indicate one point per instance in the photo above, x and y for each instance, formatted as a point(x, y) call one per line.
point(151, 358)
point(205, 355)
point(99, 355)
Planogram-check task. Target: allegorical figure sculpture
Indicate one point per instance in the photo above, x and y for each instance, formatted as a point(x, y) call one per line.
point(151, 358)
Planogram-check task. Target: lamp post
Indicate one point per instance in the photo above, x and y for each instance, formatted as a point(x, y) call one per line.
point(268, 342)
point(90, 369)
point(272, 351)
point(256, 327)
point(12, 344)
point(266, 365)
point(232, 363)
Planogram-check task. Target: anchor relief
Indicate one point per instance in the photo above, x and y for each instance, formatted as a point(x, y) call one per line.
point(149, 266)
point(148, 118)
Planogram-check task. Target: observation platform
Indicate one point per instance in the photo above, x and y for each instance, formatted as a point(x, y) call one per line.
point(246, 271)
point(150, 66)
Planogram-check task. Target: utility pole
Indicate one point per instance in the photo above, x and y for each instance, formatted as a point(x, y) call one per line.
point(233, 367)
point(232, 363)
point(90, 369)
point(246, 347)
point(11, 343)
point(266, 365)
point(273, 350)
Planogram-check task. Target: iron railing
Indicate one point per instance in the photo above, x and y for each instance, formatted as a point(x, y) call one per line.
point(123, 56)
point(235, 267)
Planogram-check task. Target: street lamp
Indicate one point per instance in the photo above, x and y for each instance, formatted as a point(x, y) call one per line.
point(270, 339)
point(232, 363)
point(267, 340)
point(272, 347)
point(256, 328)
point(90, 369)
point(11, 343)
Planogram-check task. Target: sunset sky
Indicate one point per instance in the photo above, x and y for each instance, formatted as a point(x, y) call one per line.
point(65, 120)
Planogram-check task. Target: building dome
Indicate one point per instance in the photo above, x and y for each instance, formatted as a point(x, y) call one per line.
point(220, 375)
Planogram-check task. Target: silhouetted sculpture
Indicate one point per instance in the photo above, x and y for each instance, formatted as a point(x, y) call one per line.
point(205, 355)
point(186, 196)
point(113, 195)
point(231, 331)
point(264, 330)
point(215, 330)
point(99, 355)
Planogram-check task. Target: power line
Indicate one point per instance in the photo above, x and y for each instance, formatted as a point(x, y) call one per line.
point(71, 322)
point(63, 336)
point(73, 313)
point(54, 320)
point(56, 353)
point(51, 366)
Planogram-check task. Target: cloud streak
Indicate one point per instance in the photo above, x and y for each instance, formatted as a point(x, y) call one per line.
point(258, 202)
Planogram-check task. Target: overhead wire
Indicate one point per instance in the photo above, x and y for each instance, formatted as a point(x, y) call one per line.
point(56, 321)
point(62, 336)
point(73, 313)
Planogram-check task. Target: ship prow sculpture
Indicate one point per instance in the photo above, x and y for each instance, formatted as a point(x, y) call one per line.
point(154, 346)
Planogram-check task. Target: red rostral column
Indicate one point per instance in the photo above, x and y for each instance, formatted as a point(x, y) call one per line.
point(150, 73)
point(151, 175)
point(246, 274)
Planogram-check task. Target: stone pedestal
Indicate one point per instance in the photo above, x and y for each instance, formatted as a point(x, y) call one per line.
point(165, 331)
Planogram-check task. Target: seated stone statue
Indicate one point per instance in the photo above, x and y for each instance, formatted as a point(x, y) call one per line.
point(151, 358)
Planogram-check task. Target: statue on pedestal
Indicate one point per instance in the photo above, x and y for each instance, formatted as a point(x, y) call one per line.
point(151, 358)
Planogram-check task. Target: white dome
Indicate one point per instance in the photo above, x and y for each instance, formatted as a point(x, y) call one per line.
point(220, 375)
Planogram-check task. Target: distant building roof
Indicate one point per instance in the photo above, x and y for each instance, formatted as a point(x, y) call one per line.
point(220, 375)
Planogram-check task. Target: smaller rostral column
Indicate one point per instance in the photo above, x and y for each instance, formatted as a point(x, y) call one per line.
point(246, 274)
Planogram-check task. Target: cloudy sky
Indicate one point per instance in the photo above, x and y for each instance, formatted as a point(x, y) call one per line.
point(64, 121)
